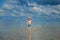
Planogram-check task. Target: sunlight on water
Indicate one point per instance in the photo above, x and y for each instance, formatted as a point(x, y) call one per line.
point(16, 29)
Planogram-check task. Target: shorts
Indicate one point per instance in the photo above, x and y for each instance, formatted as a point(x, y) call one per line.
point(29, 25)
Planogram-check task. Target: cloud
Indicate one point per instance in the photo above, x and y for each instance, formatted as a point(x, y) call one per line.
point(2, 12)
point(33, 9)
point(45, 2)
point(48, 10)
point(40, 2)
point(7, 6)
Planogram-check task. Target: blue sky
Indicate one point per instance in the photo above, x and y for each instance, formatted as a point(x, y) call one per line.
point(43, 10)
point(2, 2)
point(45, 16)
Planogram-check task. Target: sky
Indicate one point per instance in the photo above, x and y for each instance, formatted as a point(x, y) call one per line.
point(43, 10)
point(45, 16)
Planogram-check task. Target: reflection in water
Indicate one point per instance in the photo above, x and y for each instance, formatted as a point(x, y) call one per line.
point(9, 30)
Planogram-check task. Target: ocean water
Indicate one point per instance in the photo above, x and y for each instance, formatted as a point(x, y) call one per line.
point(15, 28)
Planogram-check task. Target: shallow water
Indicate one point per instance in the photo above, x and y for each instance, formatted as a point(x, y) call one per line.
point(16, 29)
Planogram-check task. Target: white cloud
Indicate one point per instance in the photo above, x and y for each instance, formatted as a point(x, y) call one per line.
point(7, 6)
point(47, 9)
point(2, 12)
point(24, 10)
point(21, 14)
